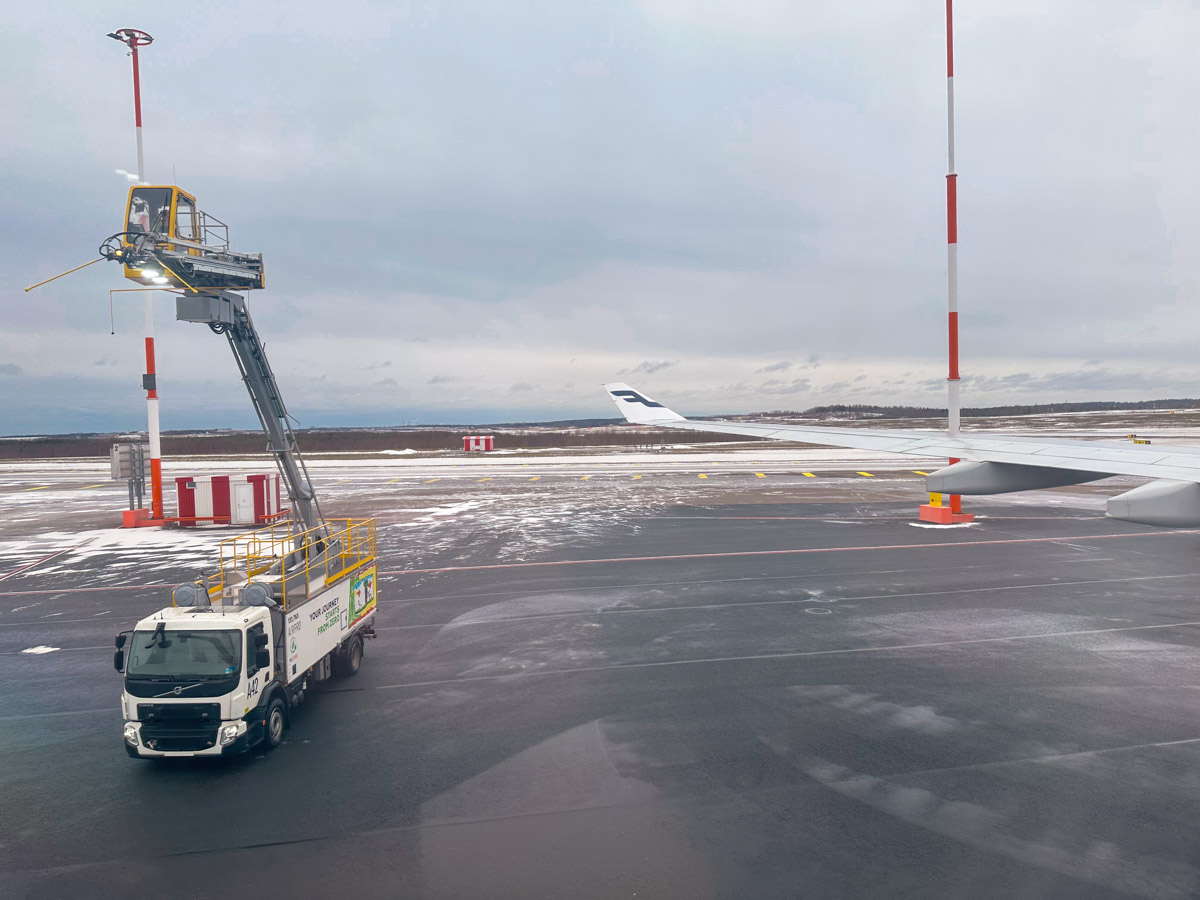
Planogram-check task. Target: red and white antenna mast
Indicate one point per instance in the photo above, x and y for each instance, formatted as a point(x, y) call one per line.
point(133, 39)
point(935, 511)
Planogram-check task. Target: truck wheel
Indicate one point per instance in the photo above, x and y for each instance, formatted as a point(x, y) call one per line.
point(347, 662)
point(276, 724)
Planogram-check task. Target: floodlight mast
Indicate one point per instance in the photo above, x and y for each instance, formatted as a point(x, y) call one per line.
point(133, 39)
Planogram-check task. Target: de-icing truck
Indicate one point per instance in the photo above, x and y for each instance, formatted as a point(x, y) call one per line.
point(287, 606)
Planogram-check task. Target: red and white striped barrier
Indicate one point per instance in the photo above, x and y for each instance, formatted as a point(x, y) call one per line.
point(479, 442)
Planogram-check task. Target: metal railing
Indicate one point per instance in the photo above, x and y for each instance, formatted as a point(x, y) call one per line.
point(293, 566)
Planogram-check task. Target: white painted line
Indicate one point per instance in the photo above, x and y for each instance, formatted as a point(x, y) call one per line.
point(39, 650)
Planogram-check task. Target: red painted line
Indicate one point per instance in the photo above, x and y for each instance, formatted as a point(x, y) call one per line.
point(795, 552)
point(31, 565)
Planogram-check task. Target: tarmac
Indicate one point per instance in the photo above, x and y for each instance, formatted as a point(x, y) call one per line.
point(757, 684)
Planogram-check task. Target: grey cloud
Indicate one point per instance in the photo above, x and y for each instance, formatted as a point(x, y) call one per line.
point(10, 369)
point(443, 379)
point(520, 387)
point(649, 367)
point(778, 386)
point(781, 366)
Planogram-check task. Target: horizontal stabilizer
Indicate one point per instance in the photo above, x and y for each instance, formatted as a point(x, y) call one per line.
point(640, 409)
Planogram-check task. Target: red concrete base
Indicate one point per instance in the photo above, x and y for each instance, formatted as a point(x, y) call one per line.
point(139, 518)
point(943, 515)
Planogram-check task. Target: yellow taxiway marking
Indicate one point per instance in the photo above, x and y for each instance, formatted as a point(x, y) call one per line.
point(343, 481)
point(808, 474)
point(88, 487)
point(636, 477)
point(535, 478)
point(760, 475)
point(919, 472)
point(585, 477)
point(865, 474)
point(432, 480)
point(701, 475)
point(40, 487)
point(489, 478)
point(394, 480)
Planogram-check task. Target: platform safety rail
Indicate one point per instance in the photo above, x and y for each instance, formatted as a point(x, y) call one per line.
point(294, 565)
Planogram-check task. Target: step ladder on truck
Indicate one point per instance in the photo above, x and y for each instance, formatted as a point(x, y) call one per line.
point(286, 607)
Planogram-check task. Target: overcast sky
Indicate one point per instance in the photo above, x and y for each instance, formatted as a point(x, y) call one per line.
point(479, 212)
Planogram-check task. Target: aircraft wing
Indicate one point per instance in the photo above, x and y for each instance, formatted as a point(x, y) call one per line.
point(991, 463)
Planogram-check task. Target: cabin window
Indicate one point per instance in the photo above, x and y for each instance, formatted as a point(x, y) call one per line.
point(185, 219)
point(149, 210)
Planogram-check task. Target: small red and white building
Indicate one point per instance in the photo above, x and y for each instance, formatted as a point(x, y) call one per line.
point(228, 499)
point(480, 442)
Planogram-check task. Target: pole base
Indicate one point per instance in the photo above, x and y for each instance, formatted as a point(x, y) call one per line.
point(139, 518)
point(943, 515)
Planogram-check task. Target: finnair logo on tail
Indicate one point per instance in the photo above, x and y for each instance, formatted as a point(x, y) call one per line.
point(635, 397)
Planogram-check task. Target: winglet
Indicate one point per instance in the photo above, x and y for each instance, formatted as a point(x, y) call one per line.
point(640, 409)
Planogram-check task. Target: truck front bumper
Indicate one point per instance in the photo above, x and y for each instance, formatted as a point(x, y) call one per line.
point(251, 733)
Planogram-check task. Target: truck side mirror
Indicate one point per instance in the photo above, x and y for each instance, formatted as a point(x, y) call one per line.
point(121, 639)
point(260, 641)
point(119, 659)
point(262, 658)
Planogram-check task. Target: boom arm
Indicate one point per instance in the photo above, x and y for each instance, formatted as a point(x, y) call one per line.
point(225, 313)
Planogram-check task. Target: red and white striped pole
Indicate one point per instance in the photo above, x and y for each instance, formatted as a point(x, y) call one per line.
point(952, 379)
point(133, 39)
point(935, 512)
point(150, 383)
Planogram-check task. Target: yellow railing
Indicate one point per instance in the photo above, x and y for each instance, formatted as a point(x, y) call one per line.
point(293, 565)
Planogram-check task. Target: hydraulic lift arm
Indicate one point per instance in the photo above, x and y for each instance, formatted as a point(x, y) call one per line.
point(225, 313)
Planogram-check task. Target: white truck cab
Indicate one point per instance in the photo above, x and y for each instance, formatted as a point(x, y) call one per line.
point(220, 671)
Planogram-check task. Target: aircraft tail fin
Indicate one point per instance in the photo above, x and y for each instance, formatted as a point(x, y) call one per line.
point(638, 408)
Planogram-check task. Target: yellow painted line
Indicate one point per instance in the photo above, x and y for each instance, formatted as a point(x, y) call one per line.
point(489, 478)
point(88, 487)
point(394, 480)
point(865, 474)
point(39, 488)
point(432, 480)
point(760, 475)
point(919, 472)
point(808, 474)
point(585, 477)
point(636, 477)
point(701, 475)
point(343, 481)
point(535, 478)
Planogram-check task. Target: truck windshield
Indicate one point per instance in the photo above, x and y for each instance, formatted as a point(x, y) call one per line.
point(185, 654)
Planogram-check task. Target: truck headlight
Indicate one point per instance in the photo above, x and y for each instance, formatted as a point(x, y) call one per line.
point(229, 734)
point(131, 733)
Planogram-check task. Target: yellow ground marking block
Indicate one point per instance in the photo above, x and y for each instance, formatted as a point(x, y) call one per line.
point(343, 481)
point(88, 487)
point(394, 480)
point(489, 478)
point(865, 474)
point(432, 480)
point(40, 487)
point(808, 474)
point(760, 475)
point(585, 477)
point(919, 472)
point(701, 475)
point(536, 478)
point(636, 477)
